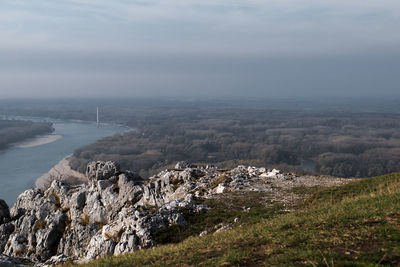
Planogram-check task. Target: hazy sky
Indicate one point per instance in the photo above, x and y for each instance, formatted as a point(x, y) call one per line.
point(278, 48)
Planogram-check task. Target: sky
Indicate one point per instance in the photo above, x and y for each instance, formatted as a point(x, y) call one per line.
point(212, 48)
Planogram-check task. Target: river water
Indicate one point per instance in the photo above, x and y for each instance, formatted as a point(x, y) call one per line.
point(23, 163)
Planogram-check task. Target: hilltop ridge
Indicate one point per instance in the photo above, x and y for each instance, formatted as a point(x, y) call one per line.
point(356, 224)
point(119, 212)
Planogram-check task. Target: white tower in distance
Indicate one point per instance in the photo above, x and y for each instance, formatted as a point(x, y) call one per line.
point(97, 117)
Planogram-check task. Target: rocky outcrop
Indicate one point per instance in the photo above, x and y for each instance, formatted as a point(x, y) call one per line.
point(114, 213)
point(183, 165)
point(101, 170)
point(118, 212)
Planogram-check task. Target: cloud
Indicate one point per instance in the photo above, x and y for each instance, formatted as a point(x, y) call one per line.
point(250, 27)
point(219, 47)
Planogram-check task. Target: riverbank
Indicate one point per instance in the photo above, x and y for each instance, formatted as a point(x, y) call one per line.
point(60, 171)
point(20, 168)
point(15, 132)
point(38, 140)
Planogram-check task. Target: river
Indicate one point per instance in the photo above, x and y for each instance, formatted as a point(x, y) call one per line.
point(23, 163)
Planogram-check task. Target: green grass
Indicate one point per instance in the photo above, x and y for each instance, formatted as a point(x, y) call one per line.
point(304, 190)
point(223, 209)
point(352, 225)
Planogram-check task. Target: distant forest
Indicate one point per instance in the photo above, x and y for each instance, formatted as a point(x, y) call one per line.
point(12, 131)
point(345, 141)
point(341, 144)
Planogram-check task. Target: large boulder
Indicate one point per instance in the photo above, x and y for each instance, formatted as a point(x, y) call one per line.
point(102, 170)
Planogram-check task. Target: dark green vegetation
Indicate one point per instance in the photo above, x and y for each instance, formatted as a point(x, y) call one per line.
point(12, 131)
point(352, 225)
point(345, 139)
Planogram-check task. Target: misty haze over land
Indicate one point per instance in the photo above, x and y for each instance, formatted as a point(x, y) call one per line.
point(199, 48)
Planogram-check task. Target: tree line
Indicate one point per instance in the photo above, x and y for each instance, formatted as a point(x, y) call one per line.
point(12, 131)
point(341, 144)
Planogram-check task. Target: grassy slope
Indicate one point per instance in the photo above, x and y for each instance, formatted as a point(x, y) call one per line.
point(355, 224)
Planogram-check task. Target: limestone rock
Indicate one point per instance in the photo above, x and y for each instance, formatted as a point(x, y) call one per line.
point(5, 231)
point(271, 174)
point(117, 212)
point(220, 189)
point(222, 227)
point(128, 242)
point(183, 165)
point(101, 170)
point(57, 260)
point(78, 200)
point(203, 233)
